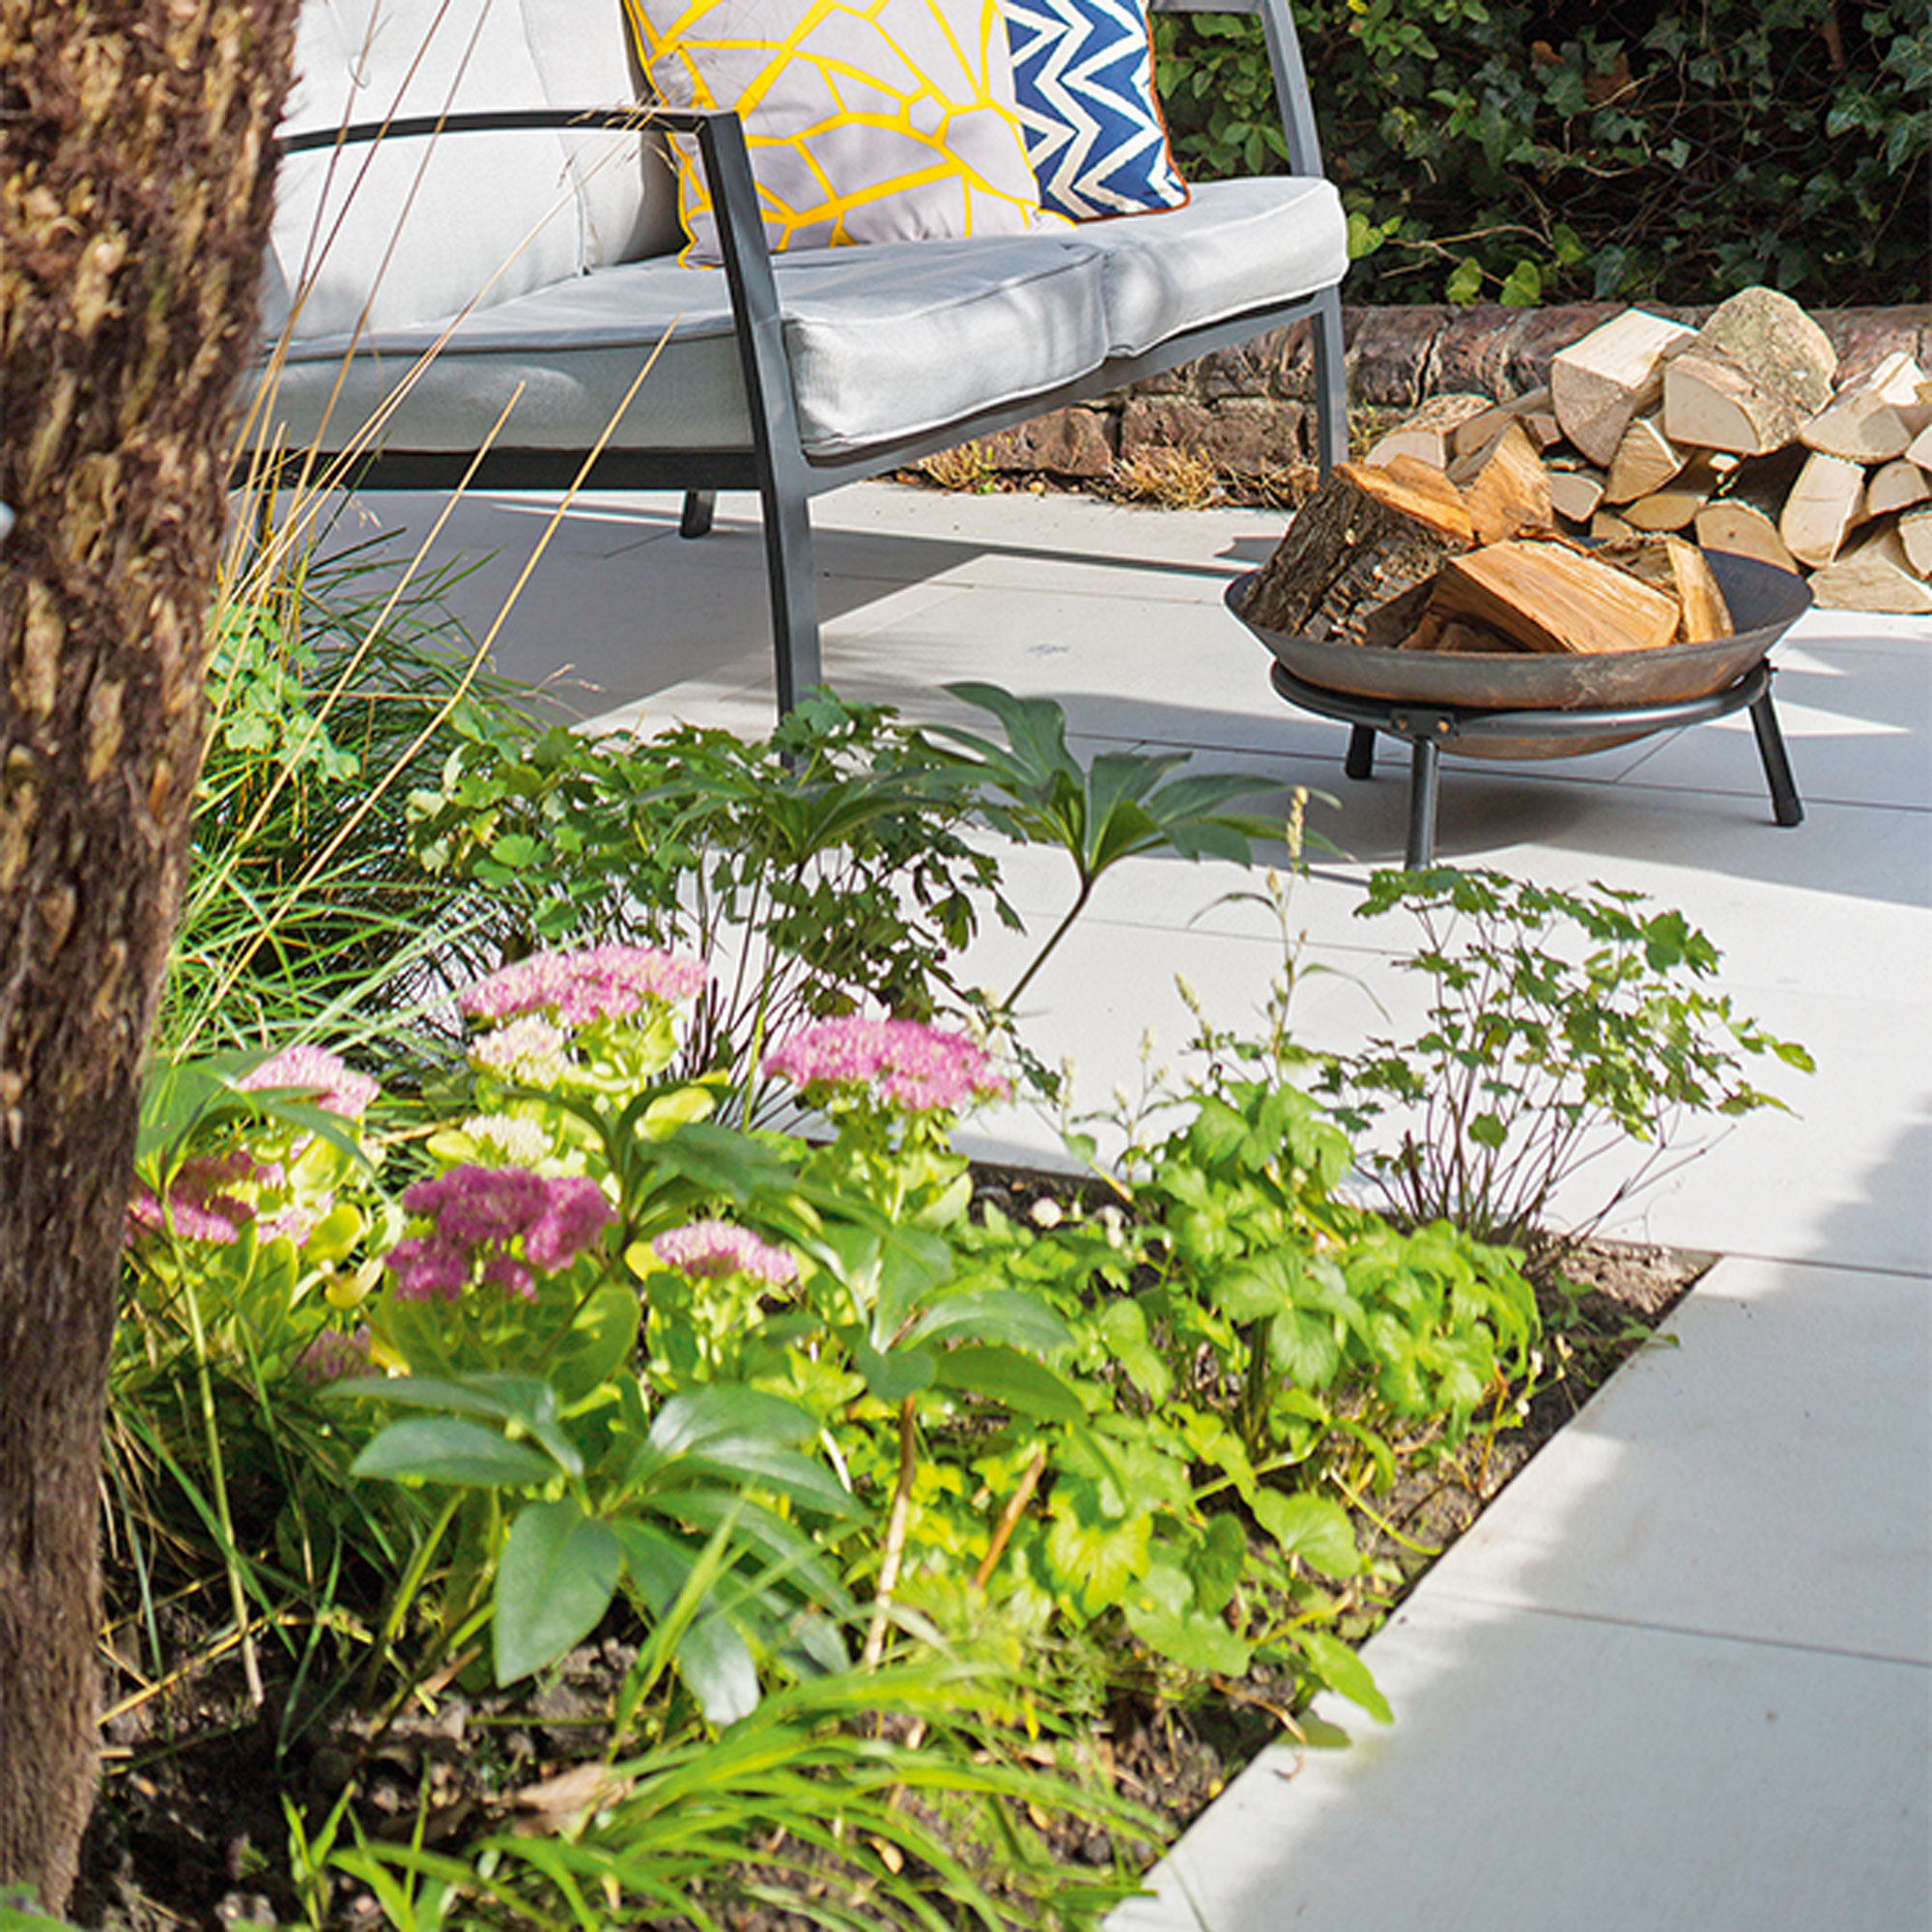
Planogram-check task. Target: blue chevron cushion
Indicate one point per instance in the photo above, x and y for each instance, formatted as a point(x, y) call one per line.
point(1083, 74)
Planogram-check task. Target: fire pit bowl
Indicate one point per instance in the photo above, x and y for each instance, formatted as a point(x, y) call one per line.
point(1536, 705)
point(1764, 605)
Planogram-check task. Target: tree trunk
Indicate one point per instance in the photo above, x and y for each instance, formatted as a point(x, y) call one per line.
point(135, 172)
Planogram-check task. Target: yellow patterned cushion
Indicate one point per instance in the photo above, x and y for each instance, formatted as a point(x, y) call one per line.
point(866, 120)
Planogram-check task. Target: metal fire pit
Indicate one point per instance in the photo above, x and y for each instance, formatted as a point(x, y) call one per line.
point(1546, 705)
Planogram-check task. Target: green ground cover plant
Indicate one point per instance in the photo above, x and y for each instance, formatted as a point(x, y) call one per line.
point(1496, 151)
point(546, 1302)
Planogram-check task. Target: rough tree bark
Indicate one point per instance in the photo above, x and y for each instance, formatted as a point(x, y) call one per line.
point(135, 167)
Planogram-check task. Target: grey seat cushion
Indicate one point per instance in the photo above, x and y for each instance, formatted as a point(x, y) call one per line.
point(1237, 246)
point(885, 343)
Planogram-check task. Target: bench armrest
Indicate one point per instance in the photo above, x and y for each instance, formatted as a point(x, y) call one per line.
point(728, 172)
point(1291, 77)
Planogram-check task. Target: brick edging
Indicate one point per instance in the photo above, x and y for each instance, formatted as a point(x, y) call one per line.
point(1246, 408)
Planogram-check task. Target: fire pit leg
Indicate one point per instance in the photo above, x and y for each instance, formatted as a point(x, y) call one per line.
point(1786, 807)
point(1360, 764)
point(1424, 770)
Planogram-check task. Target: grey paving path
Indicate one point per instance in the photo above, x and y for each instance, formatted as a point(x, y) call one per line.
point(1680, 1677)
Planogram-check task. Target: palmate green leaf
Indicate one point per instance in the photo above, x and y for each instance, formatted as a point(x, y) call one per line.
point(1094, 1558)
point(1313, 1528)
point(445, 1449)
point(1162, 1611)
point(558, 1573)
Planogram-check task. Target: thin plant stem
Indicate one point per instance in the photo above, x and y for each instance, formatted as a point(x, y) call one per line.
point(897, 1524)
point(237, 1594)
point(1009, 1518)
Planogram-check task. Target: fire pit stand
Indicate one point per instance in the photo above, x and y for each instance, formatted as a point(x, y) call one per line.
point(1429, 727)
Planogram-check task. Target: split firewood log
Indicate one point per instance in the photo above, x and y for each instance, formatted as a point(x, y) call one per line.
point(1532, 410)
point(1575, 493)
point(1919, 449)
point(1675, 506)
point(1757, 371)
point(1826, 502)
point(1428, 434)
point(1915, 534)
point(1553, 597)
point(1896, 486)
point(1732, 524)
point(1599, 384)
point(1365, 536)
point(1899, 380)
point(1645, 461)
point(1858, 425)
point(1873, 574)
point(1505, 486)
point(1676, 568)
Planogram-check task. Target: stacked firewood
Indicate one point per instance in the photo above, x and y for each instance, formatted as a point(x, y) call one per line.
point(1734, 436)
point(1403, 556)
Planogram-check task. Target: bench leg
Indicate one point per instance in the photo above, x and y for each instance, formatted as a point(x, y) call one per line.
point(1360, 764)
point(1331, 382)
point(794, 593)
point(699, 507)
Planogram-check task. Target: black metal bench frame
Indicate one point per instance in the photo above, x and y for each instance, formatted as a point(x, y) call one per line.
point(774, 463)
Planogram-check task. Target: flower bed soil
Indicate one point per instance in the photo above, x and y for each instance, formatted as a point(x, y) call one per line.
point(191, 1830)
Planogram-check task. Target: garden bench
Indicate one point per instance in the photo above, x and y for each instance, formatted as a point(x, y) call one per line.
point(508, 263)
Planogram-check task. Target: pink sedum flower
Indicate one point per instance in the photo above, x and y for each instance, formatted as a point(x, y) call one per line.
point(922, 1069)
point(528, 1050)
point(337, 1087)
point(598, 983)
point(710, 1248)
point(331, 1355)
point(199, 1205)
point(504, 1224)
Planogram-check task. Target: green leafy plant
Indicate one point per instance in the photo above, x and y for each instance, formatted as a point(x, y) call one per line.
point(1489, 149)
point(817, 870)
point(1558, 1023)
point(1036, 792)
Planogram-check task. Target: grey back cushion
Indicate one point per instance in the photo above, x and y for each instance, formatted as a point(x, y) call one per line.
point(399, 232)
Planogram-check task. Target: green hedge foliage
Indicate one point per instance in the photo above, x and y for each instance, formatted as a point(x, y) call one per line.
point(1544, 154)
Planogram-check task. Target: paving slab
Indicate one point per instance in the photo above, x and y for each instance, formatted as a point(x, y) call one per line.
point(1567, 1772)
